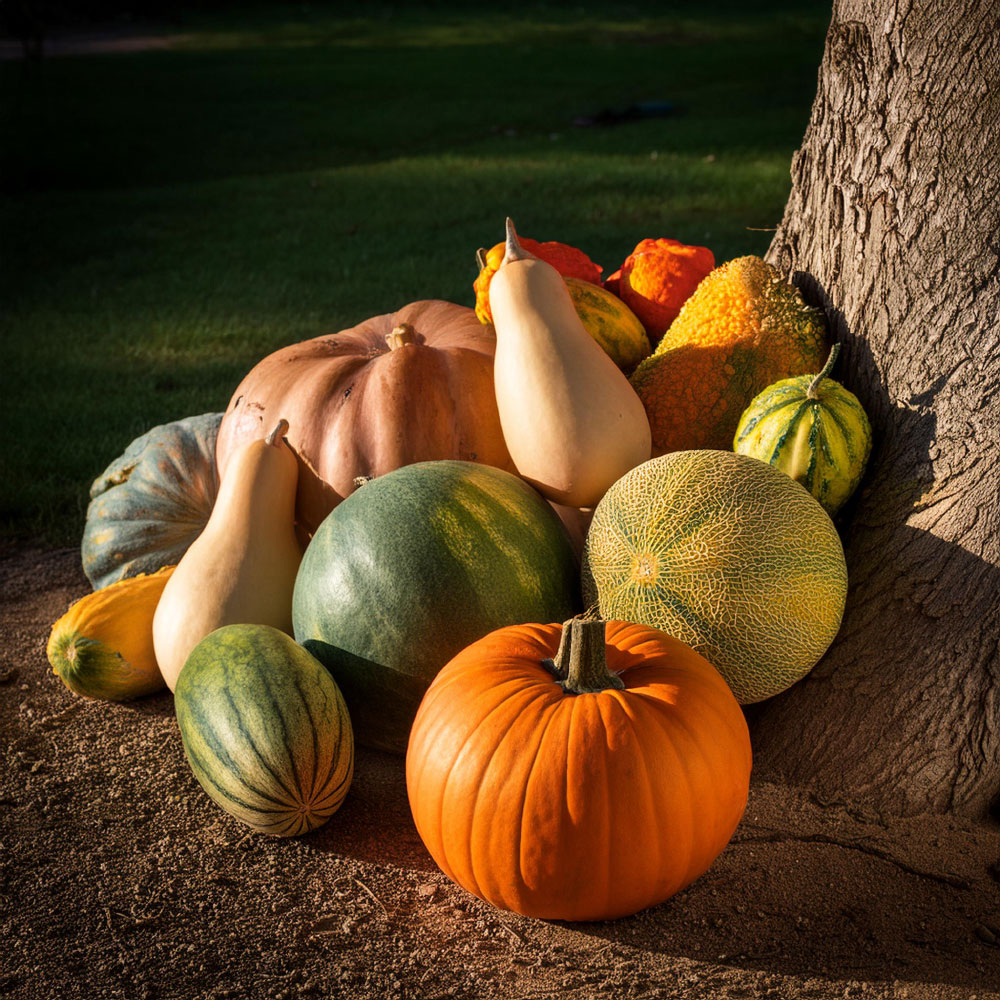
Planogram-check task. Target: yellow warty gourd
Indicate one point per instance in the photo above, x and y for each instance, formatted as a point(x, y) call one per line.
point(241, 569)
point(571, 421)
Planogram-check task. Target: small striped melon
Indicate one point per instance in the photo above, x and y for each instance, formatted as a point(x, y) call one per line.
point(814, 430)
point(726, 554)
point(265, 729)
point(611, 323)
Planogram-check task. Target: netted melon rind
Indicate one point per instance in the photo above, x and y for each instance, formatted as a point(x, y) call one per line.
point(727, 554)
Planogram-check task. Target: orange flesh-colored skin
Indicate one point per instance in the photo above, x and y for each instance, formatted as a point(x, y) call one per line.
point(584, 807)
point(356, 408)
point(719, 353)
point(567, 260)
point(658, 277)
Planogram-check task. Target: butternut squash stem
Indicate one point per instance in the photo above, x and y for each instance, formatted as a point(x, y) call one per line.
point(514, 250)
point(278, 433)
point(813, 391)
point(580, 665)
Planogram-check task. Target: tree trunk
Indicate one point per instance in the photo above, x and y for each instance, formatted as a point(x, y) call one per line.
point(893, 226)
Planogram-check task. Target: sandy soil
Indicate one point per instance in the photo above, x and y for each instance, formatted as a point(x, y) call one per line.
point(120, 878)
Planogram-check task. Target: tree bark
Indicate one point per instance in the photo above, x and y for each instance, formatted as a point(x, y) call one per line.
point(893, 226)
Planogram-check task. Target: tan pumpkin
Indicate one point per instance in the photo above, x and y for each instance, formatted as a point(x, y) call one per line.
point(410, 386)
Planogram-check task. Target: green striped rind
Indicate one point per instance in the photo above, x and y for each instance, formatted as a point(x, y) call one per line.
point(726, 554)
point(93, 669)
point(265, 729)
point(416, 565)
point(822, 443)
point(611, 323)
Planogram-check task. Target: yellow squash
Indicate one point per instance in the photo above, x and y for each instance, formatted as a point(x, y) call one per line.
point(572, 423)
point(241, 569)
point(103, 646)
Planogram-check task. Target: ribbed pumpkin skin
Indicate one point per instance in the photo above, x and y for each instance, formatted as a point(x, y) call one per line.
point(265, 729)
point(412, 568)
point(358, 406)
point(822, 442)
point(610, 322)
point(152, 502)
point(103, 646)
point(577, 807)
point(727, 554)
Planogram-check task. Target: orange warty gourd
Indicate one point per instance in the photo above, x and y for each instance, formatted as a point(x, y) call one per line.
point(568, 261)
point(658, 277)
point(577, 772)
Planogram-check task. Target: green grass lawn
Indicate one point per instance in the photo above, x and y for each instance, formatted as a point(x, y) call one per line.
point(170, 217)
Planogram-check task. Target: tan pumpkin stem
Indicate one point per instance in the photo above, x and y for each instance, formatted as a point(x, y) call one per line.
point(514, 250)
point(401, 336)
point(278, 433)
point(580, 665)
point(813, 391)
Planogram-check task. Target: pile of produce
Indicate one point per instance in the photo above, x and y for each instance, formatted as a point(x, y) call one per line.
point(545, 548)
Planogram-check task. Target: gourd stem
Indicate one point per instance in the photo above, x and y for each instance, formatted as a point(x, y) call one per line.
point(813, 391)
point(580, 665)
point(514, 250)
point(481, 259)
point(278, 433)
point(401, 336)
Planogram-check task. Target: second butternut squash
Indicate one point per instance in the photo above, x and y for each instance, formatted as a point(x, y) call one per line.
point(572, 423)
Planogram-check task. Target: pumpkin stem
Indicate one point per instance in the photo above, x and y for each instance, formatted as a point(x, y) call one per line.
point(813, 391)
point(514, 250)
point(401, 336)
point(481, 259)
point(278, 433)
point(581, 665)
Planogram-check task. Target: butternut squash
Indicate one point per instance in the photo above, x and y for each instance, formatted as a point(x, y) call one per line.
point(241, 569)
point(572, 423)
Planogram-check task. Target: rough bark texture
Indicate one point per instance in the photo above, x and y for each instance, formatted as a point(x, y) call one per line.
point(893, 225)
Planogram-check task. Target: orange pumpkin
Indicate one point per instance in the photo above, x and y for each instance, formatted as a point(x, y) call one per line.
point(411, 386)
point(577, 772)
point(658, 277)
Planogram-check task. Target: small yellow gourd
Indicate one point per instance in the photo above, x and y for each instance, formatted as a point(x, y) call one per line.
point(572, 423)
point(241, 569)
point(103, 646)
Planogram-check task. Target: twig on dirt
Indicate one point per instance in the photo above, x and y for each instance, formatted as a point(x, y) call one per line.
point(513, 932)
point(385, 912)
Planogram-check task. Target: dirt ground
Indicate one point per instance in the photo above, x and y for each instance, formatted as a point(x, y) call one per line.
point(120, 878)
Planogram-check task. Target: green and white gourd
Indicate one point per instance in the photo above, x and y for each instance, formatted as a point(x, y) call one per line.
point(812, 429)
point(265, 729)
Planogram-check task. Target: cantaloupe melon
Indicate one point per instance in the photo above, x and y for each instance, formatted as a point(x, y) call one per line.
point(727, 554)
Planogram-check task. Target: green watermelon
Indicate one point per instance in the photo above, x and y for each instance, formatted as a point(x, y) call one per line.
point(265, 729)
point(413, 567)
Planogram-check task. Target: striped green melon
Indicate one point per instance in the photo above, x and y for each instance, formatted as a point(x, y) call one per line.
point(814, 430)
point(610, 322)
point(726, 554)
point(265, 729)
point(416, 565)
